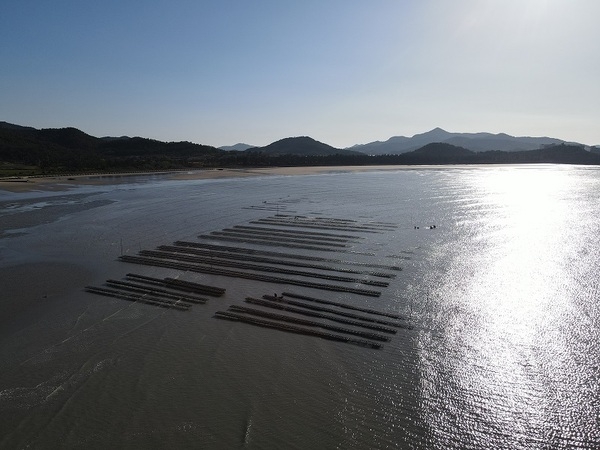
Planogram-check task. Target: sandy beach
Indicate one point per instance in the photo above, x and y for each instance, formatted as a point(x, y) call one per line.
point(63, 182)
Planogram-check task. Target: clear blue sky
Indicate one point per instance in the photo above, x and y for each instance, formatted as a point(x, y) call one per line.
point(341, 71)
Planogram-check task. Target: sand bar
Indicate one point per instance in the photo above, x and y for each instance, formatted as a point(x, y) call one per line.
point(64, 182)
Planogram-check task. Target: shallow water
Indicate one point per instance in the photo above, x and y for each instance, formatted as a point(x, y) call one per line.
point(503, 294)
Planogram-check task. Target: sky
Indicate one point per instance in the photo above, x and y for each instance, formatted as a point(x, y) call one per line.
point(344, 72)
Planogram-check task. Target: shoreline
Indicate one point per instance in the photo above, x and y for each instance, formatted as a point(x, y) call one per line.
point(64, 182)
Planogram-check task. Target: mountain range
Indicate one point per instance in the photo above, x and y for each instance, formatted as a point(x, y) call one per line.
point(29, 150)
point(477, 142)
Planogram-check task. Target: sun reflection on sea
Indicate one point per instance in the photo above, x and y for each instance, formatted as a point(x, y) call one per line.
point(505, 298)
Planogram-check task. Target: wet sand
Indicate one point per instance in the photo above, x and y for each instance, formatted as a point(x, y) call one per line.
point(36, 286)
point(37, 282)
point(59, 183)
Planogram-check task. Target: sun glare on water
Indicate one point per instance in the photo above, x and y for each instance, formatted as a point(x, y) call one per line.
point(508, 297)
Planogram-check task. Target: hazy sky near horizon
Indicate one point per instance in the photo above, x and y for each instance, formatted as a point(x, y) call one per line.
point(341, 71)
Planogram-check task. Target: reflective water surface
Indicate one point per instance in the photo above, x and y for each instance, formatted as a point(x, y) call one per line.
point(503, 293)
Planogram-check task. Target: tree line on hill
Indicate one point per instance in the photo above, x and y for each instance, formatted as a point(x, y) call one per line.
point(28, 151)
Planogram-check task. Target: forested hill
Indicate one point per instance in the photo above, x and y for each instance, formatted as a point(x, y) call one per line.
point(443, 153)
point(28, 151)
point(303, 145)
point(70, 149)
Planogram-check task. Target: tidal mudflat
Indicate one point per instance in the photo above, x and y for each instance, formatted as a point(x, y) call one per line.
point(500, 295)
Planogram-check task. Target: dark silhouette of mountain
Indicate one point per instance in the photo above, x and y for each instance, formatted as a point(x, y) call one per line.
point(12, 126)
point(27, 151)
point(477, 142)
point(555, 154)
point(440, 153)
point(239, 147)
point(73, 150)
point(67, 138)
point(113, 138)
point(303, 145)
point(435, 153)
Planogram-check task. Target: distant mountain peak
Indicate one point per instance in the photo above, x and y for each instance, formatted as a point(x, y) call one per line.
point(301, 145)
point(436, 133)
point(478, 142)
point(438, 130)
point(297, 139)
point(240, 147)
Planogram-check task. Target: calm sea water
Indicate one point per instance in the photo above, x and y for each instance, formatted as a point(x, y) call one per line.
point(503, 293)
